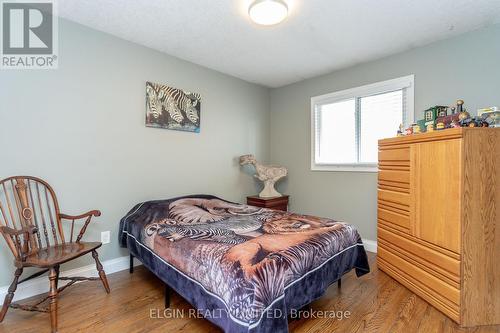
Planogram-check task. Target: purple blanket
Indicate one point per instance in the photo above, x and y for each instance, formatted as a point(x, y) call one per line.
point(240, 262)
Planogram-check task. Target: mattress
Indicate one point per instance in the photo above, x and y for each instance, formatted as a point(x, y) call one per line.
point(244, 267)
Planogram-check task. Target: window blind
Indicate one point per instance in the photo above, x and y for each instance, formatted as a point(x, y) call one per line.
point(347, 131)
point(335, 123)
point(346, 125)
point(379, 117)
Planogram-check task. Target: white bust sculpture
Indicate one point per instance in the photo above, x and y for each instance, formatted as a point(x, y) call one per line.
point(268, 174)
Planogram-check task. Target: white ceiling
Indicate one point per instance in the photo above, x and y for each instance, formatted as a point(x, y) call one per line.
point(318, 37)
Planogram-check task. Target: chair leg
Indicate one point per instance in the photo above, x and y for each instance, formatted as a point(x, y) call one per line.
point(10, 294)
point(102, 274)
point(57, 268)
point(53, 298)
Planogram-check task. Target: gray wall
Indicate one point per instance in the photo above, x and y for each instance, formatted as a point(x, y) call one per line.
point(466, 67)
point(81, 127)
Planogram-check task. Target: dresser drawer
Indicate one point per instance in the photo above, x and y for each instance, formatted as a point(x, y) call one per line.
point(394, 154)
point(389, 216)
point(395, 197)
point(441, 295)
point(438, 262)
point(420, 276)
point(402, 177)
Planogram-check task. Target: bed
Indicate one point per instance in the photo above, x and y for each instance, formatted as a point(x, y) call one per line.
point(244, 268)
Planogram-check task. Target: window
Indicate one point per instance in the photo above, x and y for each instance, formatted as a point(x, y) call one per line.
point(346, 125)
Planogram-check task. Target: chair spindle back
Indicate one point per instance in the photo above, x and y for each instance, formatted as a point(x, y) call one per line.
point(29, 215)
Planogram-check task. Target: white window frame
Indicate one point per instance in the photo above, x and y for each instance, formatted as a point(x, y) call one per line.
point(405, 82)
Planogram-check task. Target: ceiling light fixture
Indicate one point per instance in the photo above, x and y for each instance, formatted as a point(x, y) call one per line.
point(268, 12)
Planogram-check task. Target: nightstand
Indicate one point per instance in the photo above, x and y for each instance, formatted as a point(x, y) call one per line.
point(278, 203)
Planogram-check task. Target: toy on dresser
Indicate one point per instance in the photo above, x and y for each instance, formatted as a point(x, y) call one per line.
point(430, 117)
point(437, 118)
point(490, 115)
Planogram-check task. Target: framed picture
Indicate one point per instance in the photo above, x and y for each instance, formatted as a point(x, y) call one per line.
point(172, 108)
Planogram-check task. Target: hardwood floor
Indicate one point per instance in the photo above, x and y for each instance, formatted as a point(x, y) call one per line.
point(376, 303)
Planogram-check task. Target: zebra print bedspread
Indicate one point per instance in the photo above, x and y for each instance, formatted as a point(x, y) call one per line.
point(242, 259)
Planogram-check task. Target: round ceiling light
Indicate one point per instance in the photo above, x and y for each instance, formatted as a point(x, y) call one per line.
point(268, 12)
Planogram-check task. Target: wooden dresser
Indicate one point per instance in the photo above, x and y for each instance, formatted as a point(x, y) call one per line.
point(438, 219)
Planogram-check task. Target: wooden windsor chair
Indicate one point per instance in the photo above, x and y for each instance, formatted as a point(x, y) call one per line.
point(31, 223)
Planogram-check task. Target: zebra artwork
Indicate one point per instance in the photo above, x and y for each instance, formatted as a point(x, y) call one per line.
point(172, 108)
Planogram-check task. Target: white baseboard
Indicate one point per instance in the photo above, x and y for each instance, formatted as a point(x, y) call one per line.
point(370, 245)
point(40, 285)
